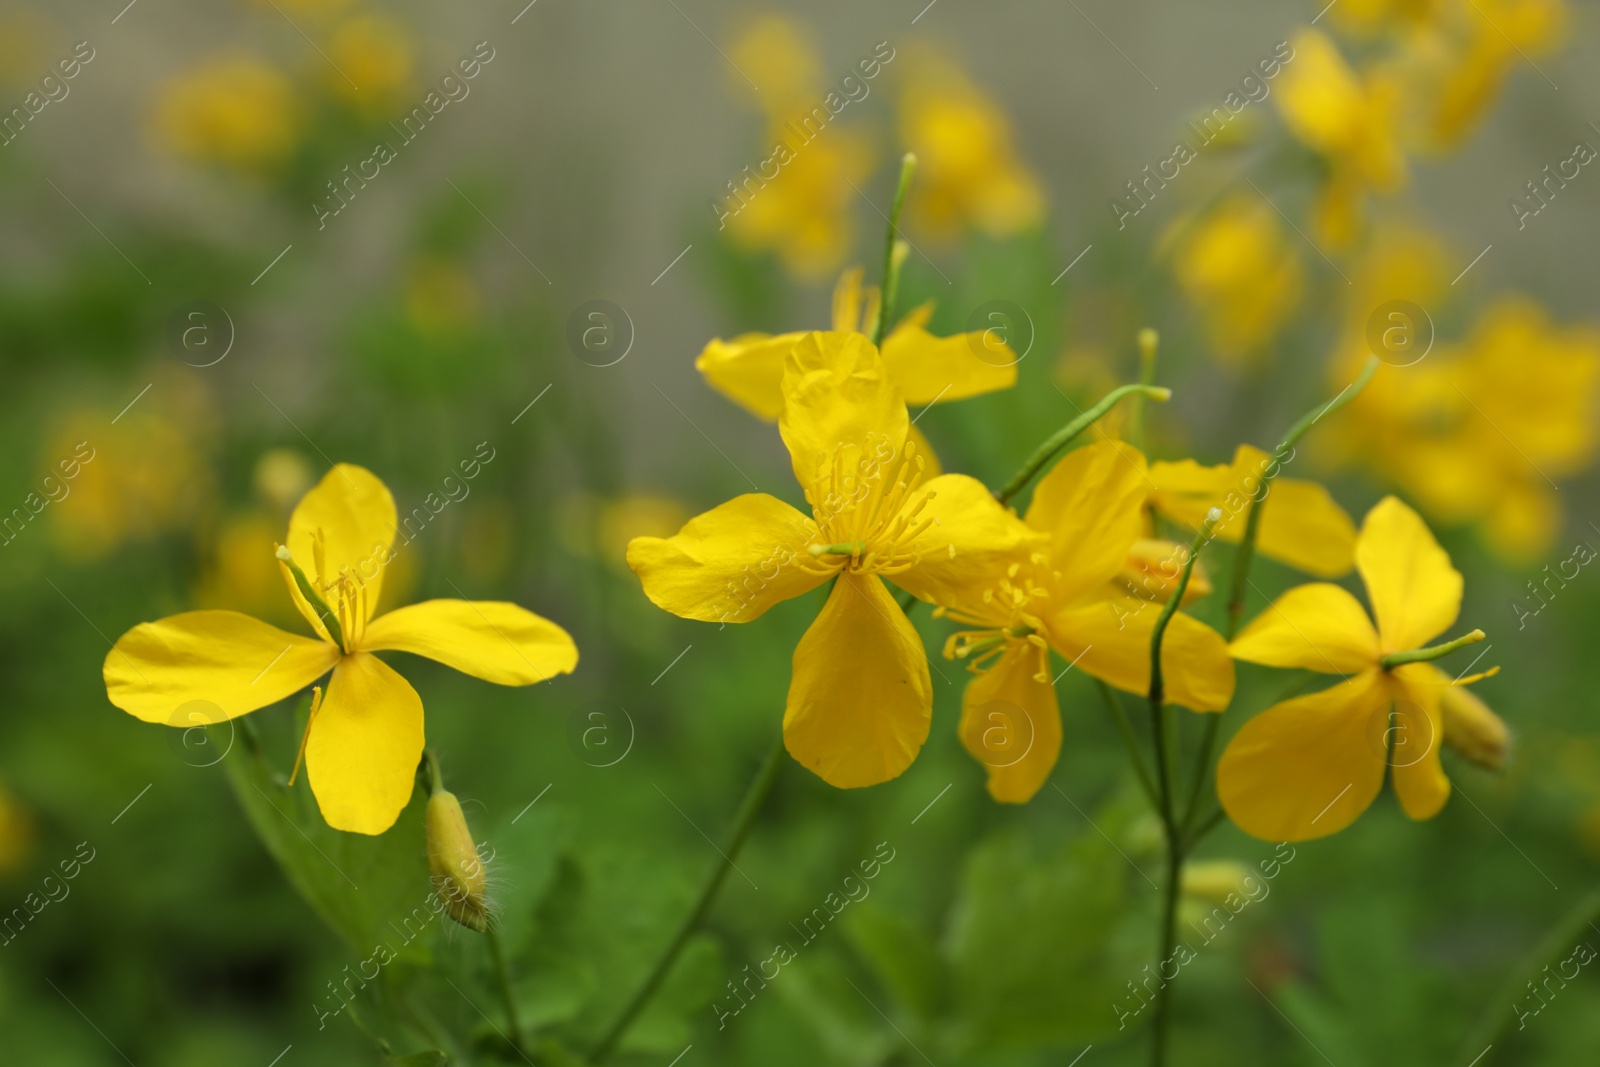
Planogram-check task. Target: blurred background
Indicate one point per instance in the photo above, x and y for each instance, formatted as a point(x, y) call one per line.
point(245, 240)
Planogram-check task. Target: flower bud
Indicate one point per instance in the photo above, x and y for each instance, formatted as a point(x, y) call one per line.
point(1152, 569)
point(453, 864)
point(1214, 880)
point(1472, 729)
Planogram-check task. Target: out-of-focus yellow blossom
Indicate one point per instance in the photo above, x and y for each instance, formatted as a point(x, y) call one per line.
point(281, 477)
point(1153, 569)
point(860, 699)
point(636, 515)
point(1478, 431)
point(1308, 767)
point(488, 540)
point(1059, 592)
point(145, 475)
point(968, 171)
point(1353, 121)
point(1301, 524)
point(1215, 880)
point(1242, 271)
point(236, 110)
point(16, 833)
point(22, 48)
point(309, 8)
point(242, 573)
point(363, 742)
point(441, 297)
point(804, 213)
point(926, 369)
point(376, 54)
point(783, 58)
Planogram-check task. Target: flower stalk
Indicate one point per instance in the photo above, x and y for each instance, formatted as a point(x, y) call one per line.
point(893, 257)
point(1057, 442)
point(1428, 655)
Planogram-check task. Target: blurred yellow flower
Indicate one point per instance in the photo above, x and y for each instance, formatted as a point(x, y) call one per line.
point(637, 515)
point(968, 171)
point(236, 110)
point(784, 55)
point(1353, 121)
point(1059, 591)
point(363, 742)
point(1242, 271)
point(376, 54)
point(859, 700)
point(1308, 767)
point(804, 213)
point(281, 477)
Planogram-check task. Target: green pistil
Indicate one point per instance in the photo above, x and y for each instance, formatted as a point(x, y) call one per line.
point(841, 548)
point(329, 618)
point(1425, 655)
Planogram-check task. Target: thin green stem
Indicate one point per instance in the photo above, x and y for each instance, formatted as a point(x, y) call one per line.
point(430, 762)
point(891, 268)
point(1428, 655)
point(1058, 441)
point(755, 796)
point(503, 980)
point(1165, 766)
point(1119, 714)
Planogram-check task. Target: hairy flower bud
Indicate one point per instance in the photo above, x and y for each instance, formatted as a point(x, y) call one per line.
point(1472, 729)
point(453, 863)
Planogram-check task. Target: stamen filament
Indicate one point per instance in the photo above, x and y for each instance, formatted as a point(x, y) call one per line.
point(316, 702)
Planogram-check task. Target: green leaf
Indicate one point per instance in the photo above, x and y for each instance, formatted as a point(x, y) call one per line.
point(902, 957)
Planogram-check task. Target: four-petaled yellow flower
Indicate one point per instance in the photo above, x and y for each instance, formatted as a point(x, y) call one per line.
point(859, 698)
point(1309, 766)
point(1057, 592)
point(364, 740)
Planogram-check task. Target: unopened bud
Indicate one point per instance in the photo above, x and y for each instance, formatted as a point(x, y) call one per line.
point(1472, 729)
point(1215, 880)
point(1152, 568)
point(453, 863)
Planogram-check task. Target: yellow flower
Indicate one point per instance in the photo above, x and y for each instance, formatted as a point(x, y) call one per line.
point(375, 54)
point(803, 212)
point(968, 170)
point(363, 741)
point(235, 110)
point(1309, 766)
point(1352, 121)
point(1301, 524)
point(1244, 274)
point(784, 57)
point(1057, 592)
point(1152, 570)
point(859, 698)
point(925, 369)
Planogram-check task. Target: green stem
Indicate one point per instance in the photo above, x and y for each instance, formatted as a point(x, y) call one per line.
point(1165, 766)
point(430, 762)
point(1120, 715)
point(891, 269)
point(749, 808)
point(329, 617)
point(1562, 939)
point(503, 980)
point(1063, 437)
point(1428, 655)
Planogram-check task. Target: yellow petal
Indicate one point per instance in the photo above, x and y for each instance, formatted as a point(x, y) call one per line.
point(1110, 639)
point(1415, 735)
point(361, 757)
point(860, 700)
point(847, 301)
point(1320, 627)
point(498, 642)
point(1011, 723)
point(1415, 592)
point(839, 404)
point(730, 564)
point(355, 515)
point(1091, 506)
point(1307, 767)
point(930, 370)
point(969, 544)
point(1153, 568)
point(749, 370)
point(226, 662)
